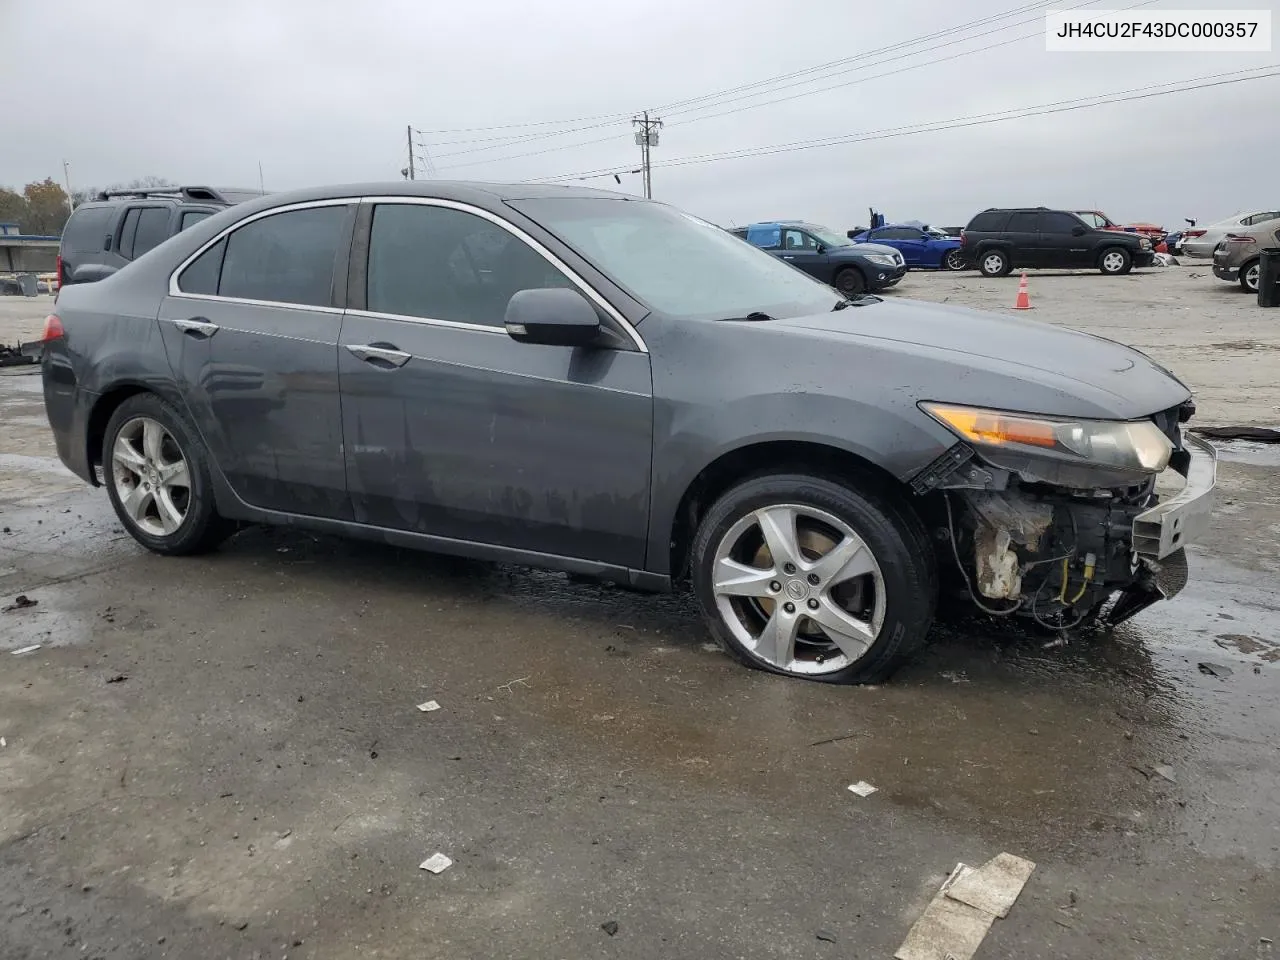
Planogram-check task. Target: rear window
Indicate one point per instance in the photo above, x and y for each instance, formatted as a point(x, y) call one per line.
point(153, 229)
point(989, 221)
point(1023, 223)
point(86, 231)
point(192, 217)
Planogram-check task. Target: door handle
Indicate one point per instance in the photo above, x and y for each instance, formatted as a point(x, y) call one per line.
point(785, 257)
point(196, 327)
point(382, 355)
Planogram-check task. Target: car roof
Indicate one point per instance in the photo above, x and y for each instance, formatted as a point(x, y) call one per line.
point(460, 190)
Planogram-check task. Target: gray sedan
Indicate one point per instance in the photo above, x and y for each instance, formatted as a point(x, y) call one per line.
point(607, 386)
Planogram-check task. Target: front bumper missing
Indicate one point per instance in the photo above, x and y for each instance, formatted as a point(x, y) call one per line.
point(1172, 523)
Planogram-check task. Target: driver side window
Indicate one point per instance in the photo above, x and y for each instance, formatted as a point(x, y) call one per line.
point(798, 240)
point(444, 264)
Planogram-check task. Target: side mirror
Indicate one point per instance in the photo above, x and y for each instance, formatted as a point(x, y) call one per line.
point(821, 248)
point(554, 316)
point(1078, 231)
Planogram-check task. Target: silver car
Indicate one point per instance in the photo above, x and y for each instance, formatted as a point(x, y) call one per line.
point(1238, 257)
point(1202, 241)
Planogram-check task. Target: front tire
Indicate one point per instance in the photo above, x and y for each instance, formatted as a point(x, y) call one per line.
point(1250, 276)
point(994, 263)
point(850, 282)
point(813, 578)
point(157, 476)
point(1115, 261)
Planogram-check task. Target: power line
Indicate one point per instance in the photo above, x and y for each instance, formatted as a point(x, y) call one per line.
point(889, 73)
point(514, 126)
point(1016, 113)
point(677, 106)
point(867, 66)
point(496, 143)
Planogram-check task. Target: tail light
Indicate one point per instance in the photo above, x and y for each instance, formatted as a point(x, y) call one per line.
point(1193, 234)
point(53, 329)
point(962, 239)
point(1232, 238)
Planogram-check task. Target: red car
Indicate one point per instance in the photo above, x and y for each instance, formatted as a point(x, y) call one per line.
point(1100, 221)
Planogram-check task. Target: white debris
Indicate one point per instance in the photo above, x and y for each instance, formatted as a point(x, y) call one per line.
point(436, 863)
point(31, 649)
point(1165, 772)
point(994, 886)
point(955, 922)
point(862, 788)
point(429, 706)
point(3, 742)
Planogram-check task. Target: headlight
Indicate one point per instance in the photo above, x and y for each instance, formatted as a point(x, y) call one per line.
point(1136, 445)
point(884, 259)
point(1144, 243)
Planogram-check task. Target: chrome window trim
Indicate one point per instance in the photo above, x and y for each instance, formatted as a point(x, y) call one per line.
point(176, 291)
point(590, 292)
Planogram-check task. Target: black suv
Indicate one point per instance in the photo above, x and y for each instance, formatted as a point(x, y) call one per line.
point(997, 241)
point(117, 226)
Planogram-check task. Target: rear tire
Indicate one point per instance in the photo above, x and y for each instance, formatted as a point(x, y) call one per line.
point(1115, 261)
point(954, 260)
point(994, 263)
point(852, 619)
point(1250, 276)
point(156, 470)
point(850, 282)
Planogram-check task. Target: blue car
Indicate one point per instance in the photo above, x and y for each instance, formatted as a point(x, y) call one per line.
point(852, 268)
point(920, 247)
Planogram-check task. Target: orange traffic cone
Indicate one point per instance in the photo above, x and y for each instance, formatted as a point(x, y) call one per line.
point(1023, 302)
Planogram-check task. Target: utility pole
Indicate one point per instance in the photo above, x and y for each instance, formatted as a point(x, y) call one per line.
point(66, 175)
point(409, 135)
point(646, 137)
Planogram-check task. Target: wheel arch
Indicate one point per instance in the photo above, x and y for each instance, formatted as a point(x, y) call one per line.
point(100, 415)
point(759, 458)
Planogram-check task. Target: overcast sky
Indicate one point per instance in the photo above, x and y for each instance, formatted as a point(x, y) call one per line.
point(321, 92)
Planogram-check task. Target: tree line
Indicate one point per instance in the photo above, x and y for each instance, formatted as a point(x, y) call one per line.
point(42, 207)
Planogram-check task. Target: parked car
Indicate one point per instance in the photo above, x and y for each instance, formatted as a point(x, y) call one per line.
point(1238, 256)
point(852, 268)
point(1000, 240)
point(1203, 241)
point(118, 226)
point(594, 383)
point(920, 247)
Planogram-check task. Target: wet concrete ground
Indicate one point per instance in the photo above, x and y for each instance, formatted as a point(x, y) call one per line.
point(221, 757)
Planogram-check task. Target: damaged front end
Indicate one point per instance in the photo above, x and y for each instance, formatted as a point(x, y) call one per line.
point(1039, 530)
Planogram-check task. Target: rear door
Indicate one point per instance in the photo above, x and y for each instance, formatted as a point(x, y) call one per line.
point(1059, 246)
point(251, 329)
point(1023, 237)
point(455, 430)
point(86, 238)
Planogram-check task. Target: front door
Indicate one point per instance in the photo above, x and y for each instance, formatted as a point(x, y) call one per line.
point(1059, 245)
point(252, 338)
point(800, 249)
point(455, 430)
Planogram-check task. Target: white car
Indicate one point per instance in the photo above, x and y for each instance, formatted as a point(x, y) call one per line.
point(1202, 241)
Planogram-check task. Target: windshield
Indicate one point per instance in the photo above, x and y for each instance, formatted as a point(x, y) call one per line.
point(1094, 219)
point(828, 237)
point(677, 264)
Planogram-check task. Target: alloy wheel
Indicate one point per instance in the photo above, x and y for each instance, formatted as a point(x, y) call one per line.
point(1252, 276)
point(994, 263)
point(955, 260)
point(799, 589)
point(151, 476)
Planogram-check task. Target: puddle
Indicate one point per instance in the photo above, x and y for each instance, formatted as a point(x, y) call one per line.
point(1248, 452)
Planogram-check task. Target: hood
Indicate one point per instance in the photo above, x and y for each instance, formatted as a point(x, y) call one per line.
point(990, 354)
point(862, 249)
